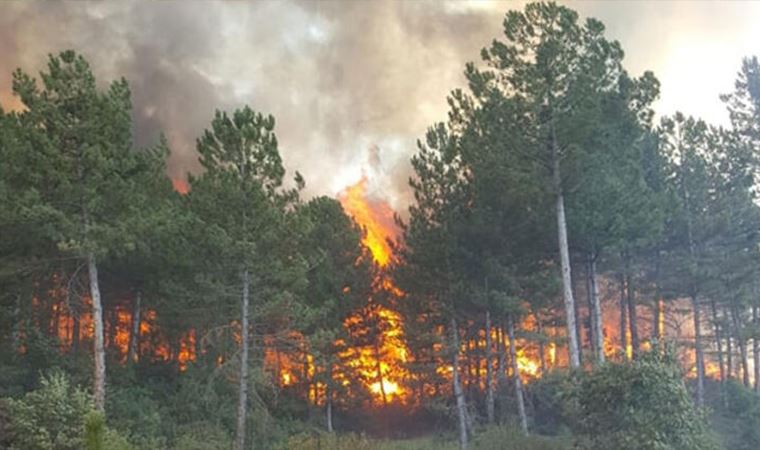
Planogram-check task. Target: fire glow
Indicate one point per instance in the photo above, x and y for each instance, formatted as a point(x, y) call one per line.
point(384, 363)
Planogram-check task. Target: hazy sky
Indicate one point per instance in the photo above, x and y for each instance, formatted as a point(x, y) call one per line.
point(342, 77)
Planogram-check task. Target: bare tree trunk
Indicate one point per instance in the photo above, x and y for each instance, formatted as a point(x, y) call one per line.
point(718, 341)
point(134, 337)
point(541, 343)
point(457, 386)
point(596, 310)
point(700, 358)
point(739, 332)
point(99, 388)
point(623, 318)
point(75, 332)
point(501, 374)
point(729, 356)
point(756, 348)
point(564, 253)
point(516, 376)
point(489, 371)
point(632, 315)
point(243, 389)
point(329, 399)
point(16, 335)
point(579, 325)
point(379, 368)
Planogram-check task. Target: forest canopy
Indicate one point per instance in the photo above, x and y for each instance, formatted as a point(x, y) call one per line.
point(573, 270)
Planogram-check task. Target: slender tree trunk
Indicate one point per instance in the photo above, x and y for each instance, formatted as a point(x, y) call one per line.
point(739, 332)
point(517, 379)
point(457, 386)
point(596, 310)
point(564, 253)
point(729, 355)
point(243, 389)
point(541, 343)
point(632, 315)
point(134, 337)
point(579, 325)
point(756, 348)
point(501, 374)
point(379, 368)
point(502, 364)
point(633, 319)
point(75, 332)
point(16, 334)
point(329, 400)
point(99, 389)
point(658, 329)
point(623, 318)
point(700, 358)
point(489, 371)
point(718, 341)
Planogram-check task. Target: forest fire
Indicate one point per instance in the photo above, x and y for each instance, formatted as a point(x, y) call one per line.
point(384, 363)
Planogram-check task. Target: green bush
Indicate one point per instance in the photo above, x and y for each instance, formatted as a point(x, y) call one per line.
point(51, 417)
point(508, 438)
point(202, 436)
point(641, 405)
point(739, 423)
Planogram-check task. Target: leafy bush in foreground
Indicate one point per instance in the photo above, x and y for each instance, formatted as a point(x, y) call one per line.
point(639, 405)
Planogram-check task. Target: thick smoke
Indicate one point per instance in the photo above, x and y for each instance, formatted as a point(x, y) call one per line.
point(340, 77)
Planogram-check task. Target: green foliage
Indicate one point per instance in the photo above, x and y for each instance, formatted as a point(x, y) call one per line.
point(739, 423)
point(640, 405)
point(508, 438)
point(202, 436)
point(94, 431)
point(51, 417)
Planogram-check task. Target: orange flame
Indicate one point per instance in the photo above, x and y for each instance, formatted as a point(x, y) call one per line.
point(382, 365)
point(375, 216)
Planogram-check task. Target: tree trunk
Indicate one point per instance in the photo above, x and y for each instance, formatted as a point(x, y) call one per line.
point(564, 251)
point(516, 376)
point(597, 333)
point(99, 389)
point(75, 332)
point(16, 334)
point(457, 386)
point(579, 325)
point(329, 400)
point(756, 348)
point(700, 359)
point(623, 318)
point(379, 368)
point(489, 371)
point(243, 390)
point(134, 337)
point(739, 332)
point(501, 374)
point(718, 341)
point(632, 315)
point(541, 344)
point(729, 356)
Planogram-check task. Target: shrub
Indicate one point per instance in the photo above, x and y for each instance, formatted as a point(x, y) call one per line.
point(741, 427)
point(641, 405)
point(202, 436)
point(51, 417)
point(509, 438)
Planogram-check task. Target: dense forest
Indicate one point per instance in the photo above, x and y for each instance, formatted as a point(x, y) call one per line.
point(573, 271)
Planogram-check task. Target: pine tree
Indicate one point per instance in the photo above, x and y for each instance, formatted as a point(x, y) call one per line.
point(85, 174)
point(241, 204)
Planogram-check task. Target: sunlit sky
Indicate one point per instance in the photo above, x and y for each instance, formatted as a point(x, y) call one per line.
point(343, 77)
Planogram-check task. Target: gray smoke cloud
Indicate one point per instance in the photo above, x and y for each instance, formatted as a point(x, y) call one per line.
point(341, 77)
